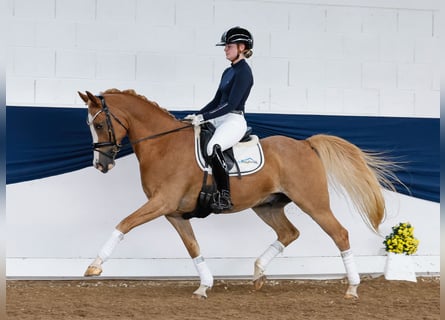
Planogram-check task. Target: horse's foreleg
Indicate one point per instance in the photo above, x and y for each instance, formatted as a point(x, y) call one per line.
point(147, 212)
point(205, 276)
point(185, 231)
point(95, 269)
point(273, 216)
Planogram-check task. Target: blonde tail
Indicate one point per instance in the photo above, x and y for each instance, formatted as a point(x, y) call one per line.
point(361, 174)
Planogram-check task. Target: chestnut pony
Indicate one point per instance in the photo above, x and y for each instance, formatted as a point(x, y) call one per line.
point(294, 171)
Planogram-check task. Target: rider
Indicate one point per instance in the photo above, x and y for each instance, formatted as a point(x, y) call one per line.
point(226, 110)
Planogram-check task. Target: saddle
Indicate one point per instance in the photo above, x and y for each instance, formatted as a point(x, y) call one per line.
point(246, 157)
point(207, 131)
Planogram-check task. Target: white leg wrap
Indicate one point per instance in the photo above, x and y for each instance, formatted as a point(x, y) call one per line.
point(110, 245)
point(351, 268)
point(204, 272)
point(262, 262)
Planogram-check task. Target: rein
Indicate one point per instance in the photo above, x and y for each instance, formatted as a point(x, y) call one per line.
point(113, 142)
point(157, 135)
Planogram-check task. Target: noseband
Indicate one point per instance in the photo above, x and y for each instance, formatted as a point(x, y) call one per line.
point(116, 147)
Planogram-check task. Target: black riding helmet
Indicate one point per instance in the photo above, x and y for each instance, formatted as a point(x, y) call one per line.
point(237, 35)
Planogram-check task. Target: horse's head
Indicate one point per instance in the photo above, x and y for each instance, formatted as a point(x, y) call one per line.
point(107, 137)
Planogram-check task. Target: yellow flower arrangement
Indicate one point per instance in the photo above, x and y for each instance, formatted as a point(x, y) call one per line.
point(401, 240)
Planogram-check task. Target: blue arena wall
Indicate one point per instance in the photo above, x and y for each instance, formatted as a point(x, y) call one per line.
point(47, 141)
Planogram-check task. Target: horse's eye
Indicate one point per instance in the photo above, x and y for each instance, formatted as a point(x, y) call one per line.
point(98, 126)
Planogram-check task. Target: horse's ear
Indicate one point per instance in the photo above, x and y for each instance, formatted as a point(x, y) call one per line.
point(83, 96)
point(94, 100)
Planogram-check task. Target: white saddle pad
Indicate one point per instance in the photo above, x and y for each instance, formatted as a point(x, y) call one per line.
point(249, 155)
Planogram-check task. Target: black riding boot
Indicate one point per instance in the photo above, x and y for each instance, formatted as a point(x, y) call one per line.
point(220, 175)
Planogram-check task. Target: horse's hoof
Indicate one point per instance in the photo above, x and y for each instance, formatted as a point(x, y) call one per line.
point(198, 297)
point(93, 271)
point(351, 293)
point(200, 293)
point(258, 283)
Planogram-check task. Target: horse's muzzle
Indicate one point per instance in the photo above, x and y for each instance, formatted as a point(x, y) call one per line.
point(104, 168)
point(104, 154)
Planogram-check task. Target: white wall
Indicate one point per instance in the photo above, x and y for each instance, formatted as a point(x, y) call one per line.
point(329, 57)
point(319, 57)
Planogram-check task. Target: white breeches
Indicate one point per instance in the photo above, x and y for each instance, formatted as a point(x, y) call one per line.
point(230, 128)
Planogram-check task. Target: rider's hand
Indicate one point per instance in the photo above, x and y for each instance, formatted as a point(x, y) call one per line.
point(190, 117)
point(197, 120)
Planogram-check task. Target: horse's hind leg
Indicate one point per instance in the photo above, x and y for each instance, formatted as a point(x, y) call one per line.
point(327, 221)
point(316, 204)
point(306, 184)
point(273, 215)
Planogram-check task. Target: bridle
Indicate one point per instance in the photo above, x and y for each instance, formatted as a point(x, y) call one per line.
point(115, 146)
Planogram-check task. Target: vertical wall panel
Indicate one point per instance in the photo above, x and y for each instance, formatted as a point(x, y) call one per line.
point(34, 10)
point(155, 12)
point(379, 21)
point(379, 75)
point(188, 67)
point(21, 33)
point(121, 11)
point(156, 68)
point(347, 20)
point(118, 66)
point(271, 71)
point(361, 102)
point(55, 34)
point(422, 27)
point(397, 102)
point(306, 17)
point(198, 13)
point(34, 62)
point(20, 89)
point(76, 11)
point(426, 50)
point(361, 48)
point(426, 102)
point(75, 64)
point(308, 72)
point(415, 76)
point(343, 74)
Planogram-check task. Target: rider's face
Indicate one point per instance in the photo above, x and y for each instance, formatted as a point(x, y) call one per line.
point(232, 51)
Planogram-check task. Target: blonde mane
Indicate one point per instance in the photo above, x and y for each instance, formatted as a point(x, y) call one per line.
point(135, 94)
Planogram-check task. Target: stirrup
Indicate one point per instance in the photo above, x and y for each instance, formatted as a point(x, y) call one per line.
point(221, 201)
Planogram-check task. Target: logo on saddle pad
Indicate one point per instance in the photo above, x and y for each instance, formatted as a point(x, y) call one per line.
point(247, 156)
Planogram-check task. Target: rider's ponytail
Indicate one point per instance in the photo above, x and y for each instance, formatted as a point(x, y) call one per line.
point(248, 53)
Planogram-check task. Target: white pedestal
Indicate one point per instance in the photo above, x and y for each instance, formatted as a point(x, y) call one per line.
point(399, 267)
